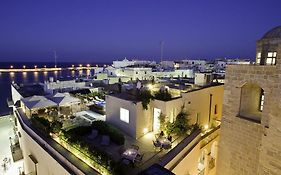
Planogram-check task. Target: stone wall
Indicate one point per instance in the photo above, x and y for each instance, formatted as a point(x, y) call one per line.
point(248, 146)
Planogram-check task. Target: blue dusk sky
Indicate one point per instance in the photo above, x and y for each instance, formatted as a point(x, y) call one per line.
point(105, 30)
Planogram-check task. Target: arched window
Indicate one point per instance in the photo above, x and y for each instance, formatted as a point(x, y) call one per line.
point(251, 102)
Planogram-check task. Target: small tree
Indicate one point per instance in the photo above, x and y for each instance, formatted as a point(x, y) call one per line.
point(145, 96)
point(180, 126)
point(163, 95)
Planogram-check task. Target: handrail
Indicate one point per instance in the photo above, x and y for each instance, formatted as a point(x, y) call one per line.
point(195, 138)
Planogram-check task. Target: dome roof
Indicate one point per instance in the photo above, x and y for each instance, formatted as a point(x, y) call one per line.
point(273, 33)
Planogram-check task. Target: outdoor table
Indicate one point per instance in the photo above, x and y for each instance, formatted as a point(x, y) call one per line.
point(164, 142)
point(130, 154)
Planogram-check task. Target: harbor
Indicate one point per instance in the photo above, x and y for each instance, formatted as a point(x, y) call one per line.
point(46, 69)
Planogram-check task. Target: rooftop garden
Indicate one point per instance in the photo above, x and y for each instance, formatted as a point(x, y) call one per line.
point(76, 141)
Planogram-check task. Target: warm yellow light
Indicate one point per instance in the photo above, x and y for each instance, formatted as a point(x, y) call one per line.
point(80, 65)
point(45, 66)
point(72, 65)
point(35, 66)
point(145, 130)
point(11, 66)
point(88, 65)
point(150, 86)
point(206, 127)
point(24, 66)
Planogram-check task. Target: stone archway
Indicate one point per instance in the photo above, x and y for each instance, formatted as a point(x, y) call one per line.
point(251, 101)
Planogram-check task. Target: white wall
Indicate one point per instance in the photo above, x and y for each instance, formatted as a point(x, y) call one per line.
point(16, 96)
point(113, 105)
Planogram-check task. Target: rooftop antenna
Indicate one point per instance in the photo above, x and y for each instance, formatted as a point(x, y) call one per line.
point(161, 47)
point(55, 55)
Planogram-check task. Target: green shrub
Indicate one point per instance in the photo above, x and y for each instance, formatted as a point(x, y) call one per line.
point(76, 141)
point(180, 125)
point(104, 128)
point(145, 97)
point(163, 95)
point(42, 124)
point(81, 130)
point(56, 126)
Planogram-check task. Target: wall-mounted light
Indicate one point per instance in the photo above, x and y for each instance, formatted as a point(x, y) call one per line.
point(145, 130)
point(206, 127)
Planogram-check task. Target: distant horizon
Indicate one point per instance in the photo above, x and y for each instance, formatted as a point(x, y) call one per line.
point(103, 31)
point(120, 59)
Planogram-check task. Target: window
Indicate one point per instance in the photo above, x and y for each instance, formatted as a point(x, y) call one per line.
point(258, 58)
point(124, 115)
point(271, 58)
point(250, 101)
point(261, 100)
point(216, 110)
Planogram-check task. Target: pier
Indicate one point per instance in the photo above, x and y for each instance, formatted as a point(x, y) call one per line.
point(44, 69)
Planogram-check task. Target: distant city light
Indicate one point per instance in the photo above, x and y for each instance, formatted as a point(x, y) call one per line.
point(88, 65)
point(24, 66)
point(45, 66)
point(80, 65)
point(35, 66)
point(72, 65)
point(11, 66)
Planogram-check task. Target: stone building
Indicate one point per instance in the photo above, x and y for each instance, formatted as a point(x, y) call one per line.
point(251, 124)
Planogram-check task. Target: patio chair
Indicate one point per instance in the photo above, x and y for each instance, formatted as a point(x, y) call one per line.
point(156, 144)
point(136, 147)
point(166, 146)
point(105, 140)
point(139, 157)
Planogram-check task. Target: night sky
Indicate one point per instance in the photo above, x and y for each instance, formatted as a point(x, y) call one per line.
point(104, 30)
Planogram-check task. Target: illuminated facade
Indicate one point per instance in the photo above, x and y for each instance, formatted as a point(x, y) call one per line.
point(250, 131)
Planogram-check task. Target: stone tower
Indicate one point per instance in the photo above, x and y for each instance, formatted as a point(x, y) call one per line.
point(251, 124)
